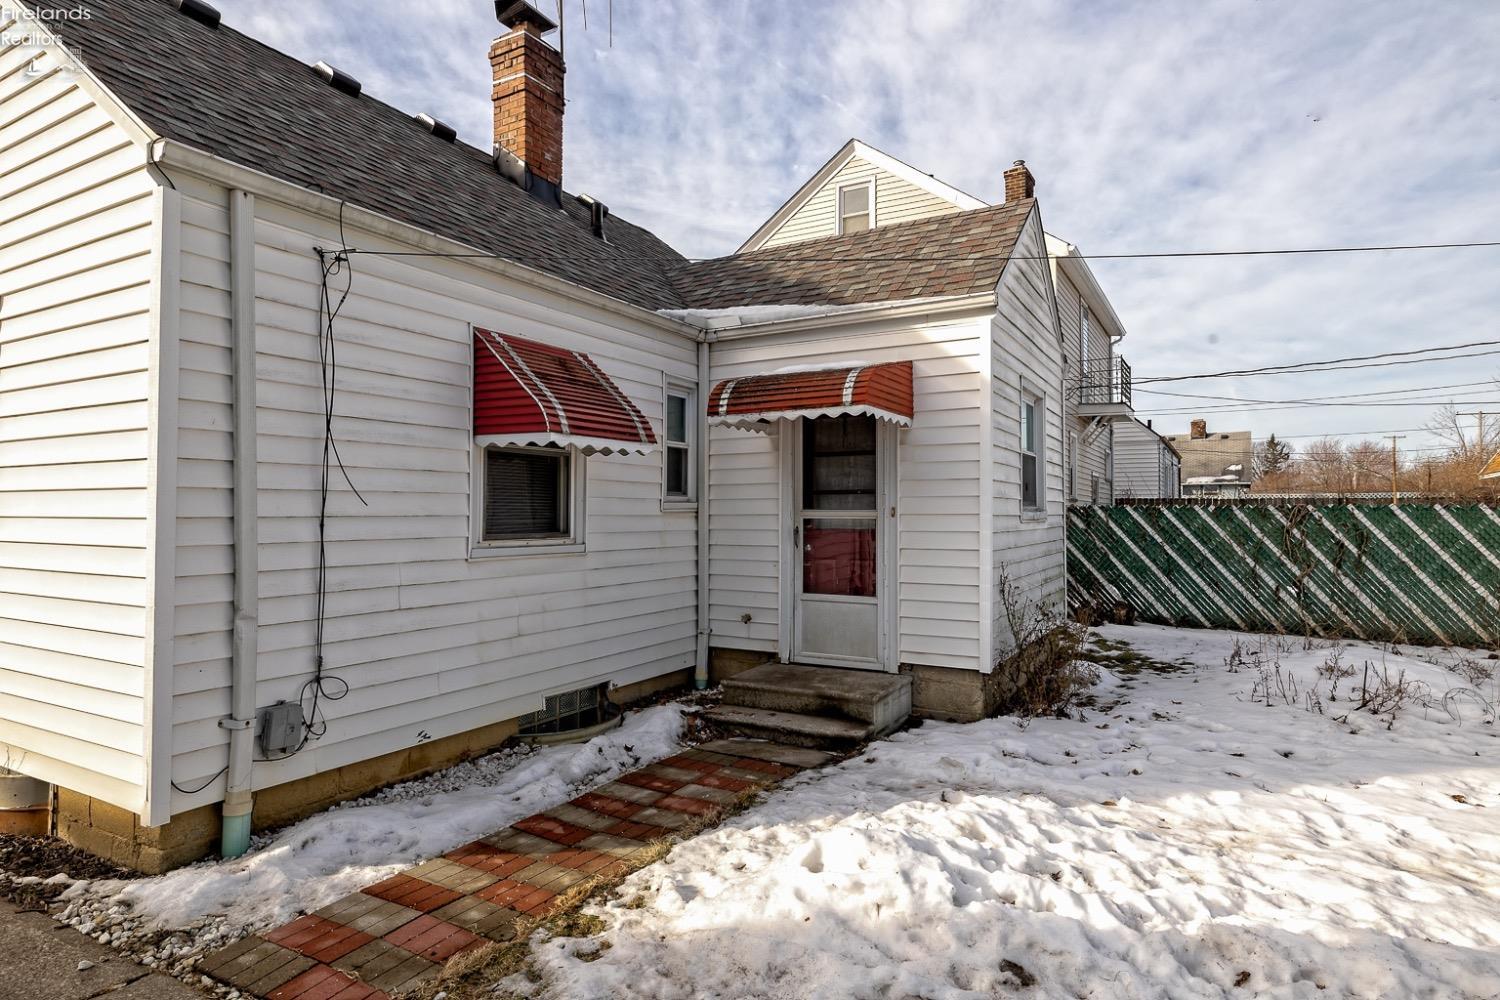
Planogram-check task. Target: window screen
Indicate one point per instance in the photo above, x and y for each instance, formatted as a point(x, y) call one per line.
point(525, 493)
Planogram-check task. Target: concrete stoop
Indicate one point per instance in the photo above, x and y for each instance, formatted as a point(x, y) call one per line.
point(813, 706)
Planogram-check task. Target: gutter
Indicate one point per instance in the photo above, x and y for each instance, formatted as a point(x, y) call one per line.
point(234, 175)
point(238, 801)
point(848, 315)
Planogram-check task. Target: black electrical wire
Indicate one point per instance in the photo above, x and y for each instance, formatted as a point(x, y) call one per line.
point(194, 791)
point(333, 263)
point(928, 258)
point(1352, 395)
point(1303, 366)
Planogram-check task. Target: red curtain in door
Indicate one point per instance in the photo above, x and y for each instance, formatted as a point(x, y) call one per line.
point(839, 560)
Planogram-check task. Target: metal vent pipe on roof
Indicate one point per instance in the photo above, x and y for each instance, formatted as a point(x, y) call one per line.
point(598, 212)
point(198, 11)
point(441, 129)
point(338, 79)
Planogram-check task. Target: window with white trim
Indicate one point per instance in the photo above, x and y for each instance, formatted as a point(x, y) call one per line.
point(1032, 485)
point(678, 479)
point(528, 495)
point(856, 207)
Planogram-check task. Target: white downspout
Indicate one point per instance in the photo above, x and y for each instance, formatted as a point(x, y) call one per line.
point(700, 672)
point(238, 803)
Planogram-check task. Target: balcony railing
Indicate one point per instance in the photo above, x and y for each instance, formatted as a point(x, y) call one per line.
point(1104, 383)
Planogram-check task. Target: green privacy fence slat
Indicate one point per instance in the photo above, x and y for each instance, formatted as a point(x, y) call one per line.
point(1426, 573)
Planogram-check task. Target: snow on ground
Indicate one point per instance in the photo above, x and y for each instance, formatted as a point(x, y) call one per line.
point(1183, 841)
point(335, 852)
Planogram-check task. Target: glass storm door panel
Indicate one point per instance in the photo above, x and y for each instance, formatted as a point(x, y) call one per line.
point(836, 535)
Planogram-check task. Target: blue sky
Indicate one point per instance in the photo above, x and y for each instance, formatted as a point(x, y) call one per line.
point(1163, 125)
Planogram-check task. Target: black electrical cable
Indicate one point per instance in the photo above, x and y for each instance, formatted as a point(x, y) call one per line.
point(194, 791)
point(1318, 399)
point(926, 258)
point(151, 161)
point(333, 263)
point(1304, 366)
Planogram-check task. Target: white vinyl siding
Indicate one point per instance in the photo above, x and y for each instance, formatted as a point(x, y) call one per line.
point(1026, 358)
point(77, 286)
point(1144, 467)
point(938, 489)
point(430, 640)
point(896, 200)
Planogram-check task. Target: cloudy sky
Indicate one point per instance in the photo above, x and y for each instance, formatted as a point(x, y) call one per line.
point(1166, 125)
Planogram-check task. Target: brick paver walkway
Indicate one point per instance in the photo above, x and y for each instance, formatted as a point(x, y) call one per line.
point(396, 934)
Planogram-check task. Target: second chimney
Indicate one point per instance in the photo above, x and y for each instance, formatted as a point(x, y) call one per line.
point(528, 94)
point(1019, 183)
point(1199, 430)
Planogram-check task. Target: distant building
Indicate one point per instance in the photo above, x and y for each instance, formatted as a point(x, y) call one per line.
point(1146, 464)
point(1218, 464)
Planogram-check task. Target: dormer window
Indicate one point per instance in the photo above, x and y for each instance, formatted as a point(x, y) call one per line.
point(856, 207)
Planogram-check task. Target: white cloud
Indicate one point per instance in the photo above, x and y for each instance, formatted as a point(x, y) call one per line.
point(1150, 126)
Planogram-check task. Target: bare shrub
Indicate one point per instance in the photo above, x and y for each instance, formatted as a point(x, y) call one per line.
point(1384, 695)
point(1235, 661)
point(1333, 668)
point(1042, 668)
point(1474, 671)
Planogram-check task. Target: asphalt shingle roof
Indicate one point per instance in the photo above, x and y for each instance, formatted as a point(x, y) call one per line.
point(960, 253)
point(227, 94)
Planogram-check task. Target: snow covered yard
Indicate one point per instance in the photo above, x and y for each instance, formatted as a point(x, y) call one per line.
point(1185, 839)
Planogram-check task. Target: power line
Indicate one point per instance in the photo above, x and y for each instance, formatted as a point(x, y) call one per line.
point(1352, 395)
point(1302, 366)
point(920, 259)
point(1295, 405)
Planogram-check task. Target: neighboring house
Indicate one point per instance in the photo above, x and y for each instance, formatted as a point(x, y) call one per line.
point(1491, 468)
point(1146, 464)
point(1098, 397)
point(282, 523)
point(1217, 464)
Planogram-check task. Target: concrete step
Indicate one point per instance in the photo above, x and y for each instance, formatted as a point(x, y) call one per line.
point(791, 728)
point(882, 700)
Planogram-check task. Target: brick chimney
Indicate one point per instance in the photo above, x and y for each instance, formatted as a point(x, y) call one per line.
point(528, 94)
point(1019, 183)
point(1199, 430)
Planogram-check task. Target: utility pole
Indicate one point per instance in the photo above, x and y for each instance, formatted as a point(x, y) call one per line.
point(1484, 451)
point(1395, 497)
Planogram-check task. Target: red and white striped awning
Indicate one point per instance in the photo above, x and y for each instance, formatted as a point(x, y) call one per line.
point(528, 393)
point(753, 402)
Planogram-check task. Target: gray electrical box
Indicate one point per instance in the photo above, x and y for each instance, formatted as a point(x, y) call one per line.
point(281, 728)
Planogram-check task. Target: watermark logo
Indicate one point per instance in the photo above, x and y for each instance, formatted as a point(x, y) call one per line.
point(32, 32)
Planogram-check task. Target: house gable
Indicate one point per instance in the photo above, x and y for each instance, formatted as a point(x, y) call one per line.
point(901, 193)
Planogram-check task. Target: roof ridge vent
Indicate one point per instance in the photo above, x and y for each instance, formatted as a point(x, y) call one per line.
point(198, 11)
point(337, 79)
point(441, 129)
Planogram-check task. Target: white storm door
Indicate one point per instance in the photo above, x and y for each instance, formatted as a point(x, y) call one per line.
point(837, 538)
